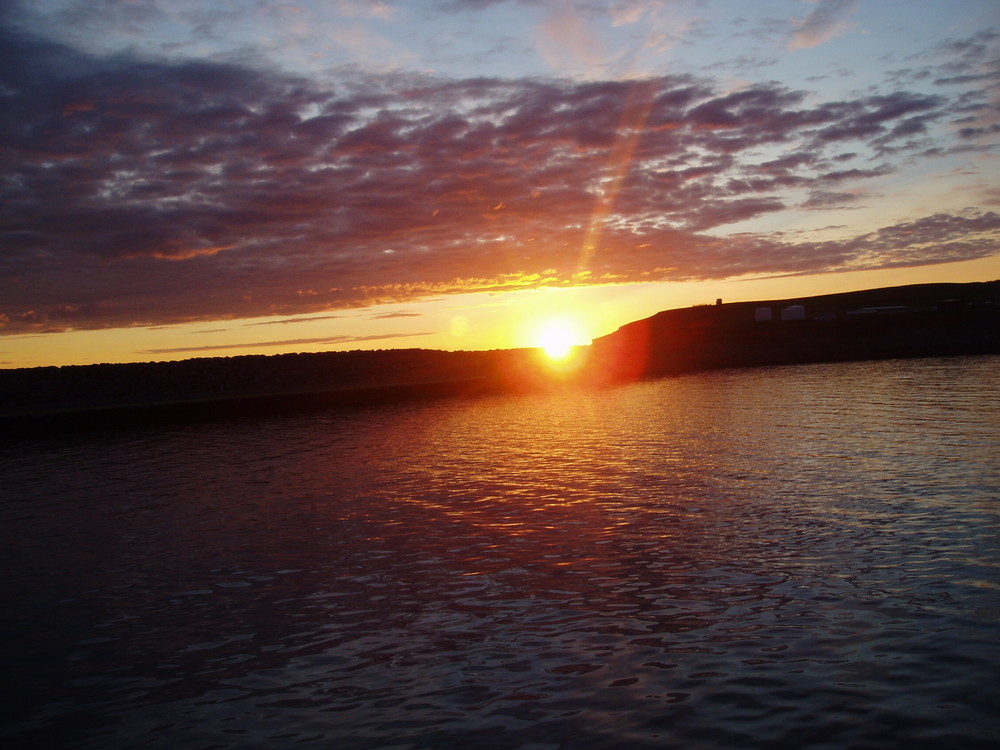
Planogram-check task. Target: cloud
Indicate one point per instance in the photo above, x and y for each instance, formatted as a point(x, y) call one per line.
point(144, 192)
point(387, 316)
point(824, 199)
point(971, 60)
point(286, 342)
point(287, 321)
point(823, 23)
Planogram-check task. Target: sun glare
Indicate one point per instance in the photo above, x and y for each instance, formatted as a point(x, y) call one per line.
point(557, 338)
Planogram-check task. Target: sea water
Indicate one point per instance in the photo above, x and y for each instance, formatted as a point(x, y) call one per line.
point(802, 556)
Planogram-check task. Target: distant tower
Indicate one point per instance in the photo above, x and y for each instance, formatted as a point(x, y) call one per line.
point(718, 301)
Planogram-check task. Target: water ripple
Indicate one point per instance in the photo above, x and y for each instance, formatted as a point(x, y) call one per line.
point(785, 557)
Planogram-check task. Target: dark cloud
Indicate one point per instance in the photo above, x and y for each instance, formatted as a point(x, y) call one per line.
point(871, 118)
point(136, 192)
point(288, 342)
point(287, 321)
point(974, 59)
point(824, 199)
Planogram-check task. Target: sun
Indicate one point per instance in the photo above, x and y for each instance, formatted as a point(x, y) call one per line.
point(558, 338)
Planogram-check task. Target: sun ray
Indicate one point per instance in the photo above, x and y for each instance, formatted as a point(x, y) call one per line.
point(630, 130)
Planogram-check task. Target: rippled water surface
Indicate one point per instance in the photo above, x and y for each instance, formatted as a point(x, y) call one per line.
point(786, 557)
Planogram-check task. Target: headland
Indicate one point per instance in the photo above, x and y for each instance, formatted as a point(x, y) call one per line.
point(896, 322)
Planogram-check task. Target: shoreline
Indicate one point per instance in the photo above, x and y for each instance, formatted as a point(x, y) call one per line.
point(936, 320)
point(95, 418)
point(237, 406)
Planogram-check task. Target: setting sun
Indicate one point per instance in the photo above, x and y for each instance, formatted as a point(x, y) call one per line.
point(557, 338)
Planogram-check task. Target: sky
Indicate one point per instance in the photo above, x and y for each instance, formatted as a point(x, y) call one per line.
point(186, 178)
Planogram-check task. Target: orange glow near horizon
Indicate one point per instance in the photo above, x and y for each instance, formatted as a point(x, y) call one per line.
point(479, 320)
point(557, 338)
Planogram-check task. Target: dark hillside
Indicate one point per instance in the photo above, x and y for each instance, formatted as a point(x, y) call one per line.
point(909, 321)
point(232, 384)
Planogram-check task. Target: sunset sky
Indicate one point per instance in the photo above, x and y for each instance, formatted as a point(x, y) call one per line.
point(187, 178)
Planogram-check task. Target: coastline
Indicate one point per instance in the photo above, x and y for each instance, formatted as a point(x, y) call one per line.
point(237, 406)
point(899, 322)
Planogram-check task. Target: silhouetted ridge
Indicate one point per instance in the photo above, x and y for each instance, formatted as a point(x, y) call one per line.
point(244, 382)
point(907, 321)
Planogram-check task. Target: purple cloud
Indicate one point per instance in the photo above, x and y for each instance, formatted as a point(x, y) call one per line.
point(136, 192)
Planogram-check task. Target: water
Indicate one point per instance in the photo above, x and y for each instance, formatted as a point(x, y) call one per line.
point(786, 557)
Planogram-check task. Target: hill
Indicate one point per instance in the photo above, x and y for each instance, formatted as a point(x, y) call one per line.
point(906, 321)
point(918, 320)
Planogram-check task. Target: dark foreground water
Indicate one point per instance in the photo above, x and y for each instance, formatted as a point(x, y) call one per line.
point(796, 557)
